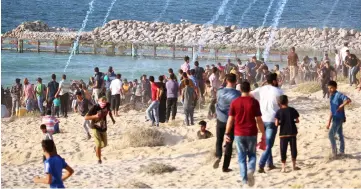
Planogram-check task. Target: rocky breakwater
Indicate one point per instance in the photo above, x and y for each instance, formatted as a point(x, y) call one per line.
point(130, 31)
point(40, 30)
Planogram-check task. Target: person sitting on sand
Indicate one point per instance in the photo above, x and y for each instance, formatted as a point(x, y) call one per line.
point(337, 116)
point(54, 165)
point(286, 118)
point(98, 117)
point(52, 124)
point(203, 133)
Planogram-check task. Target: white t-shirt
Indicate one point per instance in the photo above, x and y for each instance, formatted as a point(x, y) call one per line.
point(267, 97)
point(115, 86)
point(343, 53)
point(337, 60)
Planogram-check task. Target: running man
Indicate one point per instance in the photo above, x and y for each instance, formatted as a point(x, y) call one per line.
point(82, 104)
point(98, 117)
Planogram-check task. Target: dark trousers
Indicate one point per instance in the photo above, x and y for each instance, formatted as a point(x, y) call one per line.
point(324, 87)
point(284, 144)
point(221, 129)
point(64, 104)
point(171, 107)
point(56, 111)
point(345, 71)
point(115, 103)
point(108, 95)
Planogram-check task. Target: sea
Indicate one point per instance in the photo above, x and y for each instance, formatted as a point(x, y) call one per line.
point(71, 13)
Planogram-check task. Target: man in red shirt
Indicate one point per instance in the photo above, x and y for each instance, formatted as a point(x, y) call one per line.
point(154, 106)
point(245, 116)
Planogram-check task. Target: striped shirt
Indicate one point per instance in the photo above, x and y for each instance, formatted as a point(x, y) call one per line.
point(64, 87)
point(50, 122)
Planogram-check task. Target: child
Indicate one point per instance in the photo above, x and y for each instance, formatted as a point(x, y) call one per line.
point(203, 133)
point(47, 136)
point(287, 117)
point(337, 115)
point(213, 96)
point(56, 104)
point(54, 166)
point(189, 97)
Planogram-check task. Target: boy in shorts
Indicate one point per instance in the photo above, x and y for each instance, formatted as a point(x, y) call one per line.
point(98, 116)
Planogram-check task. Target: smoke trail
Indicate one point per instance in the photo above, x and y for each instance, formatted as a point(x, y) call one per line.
point(228, 16)
point(246, 11)
point(264, 19)
point(344, 16)
point(109, 10)
point(276, 20)
point(163, 11)
point(214, 18)
point(330, 13)
point(79, 33)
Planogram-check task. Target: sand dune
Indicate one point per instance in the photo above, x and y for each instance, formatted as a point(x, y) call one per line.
point(22, 154)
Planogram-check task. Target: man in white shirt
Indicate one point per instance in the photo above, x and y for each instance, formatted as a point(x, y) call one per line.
point(115, 88)
point(343, 55)
point(268, 96)
point(185, 67)
point(63, 92)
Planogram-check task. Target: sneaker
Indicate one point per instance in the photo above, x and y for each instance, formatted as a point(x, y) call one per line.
point(250, 178)
point(226, 170)
point(216, 164)
point(270, 167)
point(261, 170)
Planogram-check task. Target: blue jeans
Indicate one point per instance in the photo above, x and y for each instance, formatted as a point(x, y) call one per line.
point(271, 131)
point(336, 128)
point(29, 105)
point(40, 103)
point(153, 107)
point(246, 146)
point(352, 75)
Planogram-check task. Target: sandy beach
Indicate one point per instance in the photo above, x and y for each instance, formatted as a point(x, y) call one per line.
point(22, 154)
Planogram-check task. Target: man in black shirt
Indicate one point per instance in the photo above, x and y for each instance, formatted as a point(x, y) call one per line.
point(82, 105)
point(51, 90)
point(353, 63)
point(199, 71)
point(98, 116)
point(326, 76)
point(287, 117)
point(98, 84)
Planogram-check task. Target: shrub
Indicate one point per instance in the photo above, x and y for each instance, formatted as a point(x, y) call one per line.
point(308, 87)
point(143, 137)
point(157, 168)
point(134, 184)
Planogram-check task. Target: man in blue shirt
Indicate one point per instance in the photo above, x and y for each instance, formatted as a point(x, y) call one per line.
point(54, 166)
point(337, 115)
point(224, 98)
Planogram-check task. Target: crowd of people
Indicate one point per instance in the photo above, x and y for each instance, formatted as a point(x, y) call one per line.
point(240, 113)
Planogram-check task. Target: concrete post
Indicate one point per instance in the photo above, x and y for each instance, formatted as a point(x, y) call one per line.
point(155, 51)
point(134, 50)
point(38, 48)
point(55, 46)
point(173, 56)
point(94, 47)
